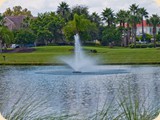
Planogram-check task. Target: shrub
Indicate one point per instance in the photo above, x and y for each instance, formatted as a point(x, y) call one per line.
point(141, 45)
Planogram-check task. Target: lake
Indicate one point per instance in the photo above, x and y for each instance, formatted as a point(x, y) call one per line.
point(57, 90)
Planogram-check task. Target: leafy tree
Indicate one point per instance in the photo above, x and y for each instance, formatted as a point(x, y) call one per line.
point(6, 36)
point(44, 37)
point(64, 10)
point(24, 36)
point(48, 22)
point(111, 35)
point(79, 25)
point(154, 20)
point(26, 22)
point(108, 16)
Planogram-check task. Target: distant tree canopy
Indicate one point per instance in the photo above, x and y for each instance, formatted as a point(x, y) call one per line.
point(17, 11)
point(61, 26)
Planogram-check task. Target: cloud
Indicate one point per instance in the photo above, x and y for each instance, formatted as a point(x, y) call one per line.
point(40, 6)
point(158, 2)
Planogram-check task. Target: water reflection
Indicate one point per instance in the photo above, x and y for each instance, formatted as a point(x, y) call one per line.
point(82, 94)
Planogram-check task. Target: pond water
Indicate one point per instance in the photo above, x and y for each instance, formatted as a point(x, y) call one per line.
point(63, 92)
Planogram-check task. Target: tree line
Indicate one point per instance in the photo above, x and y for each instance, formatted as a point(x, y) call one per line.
point(59, 27)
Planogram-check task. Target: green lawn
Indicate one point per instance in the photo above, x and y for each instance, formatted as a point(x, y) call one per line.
point(49, 55)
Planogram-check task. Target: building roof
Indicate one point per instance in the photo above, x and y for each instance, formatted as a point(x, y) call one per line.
point(15, 20)
point(145, 24)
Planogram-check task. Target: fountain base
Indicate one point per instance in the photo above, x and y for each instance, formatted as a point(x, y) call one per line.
point(77, 72)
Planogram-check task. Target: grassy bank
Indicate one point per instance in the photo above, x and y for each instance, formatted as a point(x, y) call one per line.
point(48, 55)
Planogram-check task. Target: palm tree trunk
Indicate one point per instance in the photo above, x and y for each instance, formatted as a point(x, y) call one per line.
point(142, 30)
point(154, 36)
point(134, 31)
point(128, 35)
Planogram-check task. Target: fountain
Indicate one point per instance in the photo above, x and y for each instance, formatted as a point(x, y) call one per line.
point(80, 62)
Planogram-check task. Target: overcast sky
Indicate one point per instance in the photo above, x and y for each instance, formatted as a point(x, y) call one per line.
point(41, 6)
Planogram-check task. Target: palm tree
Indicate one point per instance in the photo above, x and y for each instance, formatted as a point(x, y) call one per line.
point(64, 10)
point(108, 16)
point(143, 13)
point(95, 18)
point(80, 10)
point(121, 17)
point(154, 20)
point(134, 19)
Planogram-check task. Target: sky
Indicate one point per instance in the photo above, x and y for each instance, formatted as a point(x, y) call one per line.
point(41, 6)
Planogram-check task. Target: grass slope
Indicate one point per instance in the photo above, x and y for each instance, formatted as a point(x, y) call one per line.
point(49, 54)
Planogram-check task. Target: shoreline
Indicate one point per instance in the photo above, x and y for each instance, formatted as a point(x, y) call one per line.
point(61, 64)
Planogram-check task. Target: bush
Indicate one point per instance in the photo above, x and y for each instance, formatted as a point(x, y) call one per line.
point(94, 51)
point(151, 45)
point(148, 37)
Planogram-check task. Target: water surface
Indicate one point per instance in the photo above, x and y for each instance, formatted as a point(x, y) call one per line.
point(84, 93)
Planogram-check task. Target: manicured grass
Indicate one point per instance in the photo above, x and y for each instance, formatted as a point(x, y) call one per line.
point(49, 55)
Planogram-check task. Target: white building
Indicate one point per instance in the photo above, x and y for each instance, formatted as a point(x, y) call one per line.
point(147, 28)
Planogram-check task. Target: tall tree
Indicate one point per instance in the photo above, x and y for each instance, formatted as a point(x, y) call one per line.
point(154, 20)
point(64, 10)
point(95, 18)
point(108, 16)
point(144, 14)
point(134, 19)
point(121, 17)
